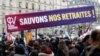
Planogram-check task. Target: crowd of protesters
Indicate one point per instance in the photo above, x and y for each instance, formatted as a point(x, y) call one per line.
point(89, 46)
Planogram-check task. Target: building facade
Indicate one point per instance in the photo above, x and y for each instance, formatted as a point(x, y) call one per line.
point(8, 7)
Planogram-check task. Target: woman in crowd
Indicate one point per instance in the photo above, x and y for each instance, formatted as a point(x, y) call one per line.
point(73, 50)
point(94, 48)
point(62, 48)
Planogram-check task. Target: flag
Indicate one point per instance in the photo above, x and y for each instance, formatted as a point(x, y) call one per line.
point(87, 33)
point(28, 37)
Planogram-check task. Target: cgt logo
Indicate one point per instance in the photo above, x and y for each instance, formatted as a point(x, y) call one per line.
point(11, 20)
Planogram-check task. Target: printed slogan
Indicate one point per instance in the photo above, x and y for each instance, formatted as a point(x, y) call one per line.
point(27, 21)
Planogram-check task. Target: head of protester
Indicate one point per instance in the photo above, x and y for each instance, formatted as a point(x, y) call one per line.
point(95, 36)
point(87, 40)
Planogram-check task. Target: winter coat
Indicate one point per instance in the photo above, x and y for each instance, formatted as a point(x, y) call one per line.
point(89, 52)
point(73, 52)
point(60, 53)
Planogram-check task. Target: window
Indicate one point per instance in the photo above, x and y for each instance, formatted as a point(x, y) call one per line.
point(33, 6)
point(92, 3)
point(64, 0)
point(39, 7)
point(39, 1)
point(26, 5)
point(20, 4)
point(51, 1)
point(45, 7)
point(45, 1)
point(10, 4)
point(3, 4)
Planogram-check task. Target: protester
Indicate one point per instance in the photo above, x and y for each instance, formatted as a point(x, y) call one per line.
point(20, 48)
point(62, 48)
point(35, 48)
point(87, 41)
point(84, 43)
point(94, 48)
point(73, 50)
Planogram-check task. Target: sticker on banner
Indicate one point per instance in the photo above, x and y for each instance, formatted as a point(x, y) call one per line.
point(11, 22)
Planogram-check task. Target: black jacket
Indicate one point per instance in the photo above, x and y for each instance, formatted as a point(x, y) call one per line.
point(95, 52)
point(60, 53)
